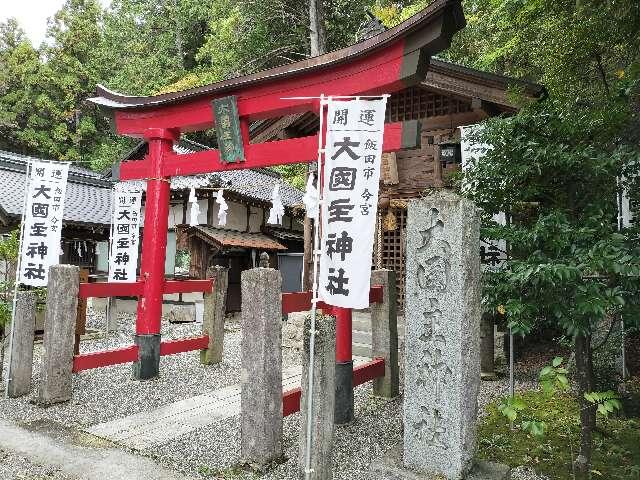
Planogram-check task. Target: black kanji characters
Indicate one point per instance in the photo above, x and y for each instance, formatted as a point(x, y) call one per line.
point(367, 195)
point(337, 282)
point(124, 214)
point(346, 146)
point(368, 172)
point(40, 210)
point(42, 190)
point(341, 246)
point(367, 117)
point(122, 258)
point(122, 228)
point(38, 229)
point(120, 274)
point(370, 159)
point(342, 178)
point(339, 210)
point(35, 249)
point(370, 145)
point(34, 272)
point(340, 117)
point(122, 243)
point(365, 209)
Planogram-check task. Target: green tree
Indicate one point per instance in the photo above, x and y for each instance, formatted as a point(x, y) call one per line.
point(554, 169)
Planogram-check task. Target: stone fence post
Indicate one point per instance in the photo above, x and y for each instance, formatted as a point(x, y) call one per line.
point(59, 329)
point(261, 374)
point(323, 405)
point(215, 304)
point(384, 334)
point(21, 348)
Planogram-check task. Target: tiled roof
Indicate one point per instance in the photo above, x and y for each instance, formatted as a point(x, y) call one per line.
point(88, 198)
point(232, 239)
point(254, 183)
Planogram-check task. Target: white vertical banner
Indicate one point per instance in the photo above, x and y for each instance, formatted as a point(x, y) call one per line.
point(125, 232)
point(353, 153)
point(40, 245)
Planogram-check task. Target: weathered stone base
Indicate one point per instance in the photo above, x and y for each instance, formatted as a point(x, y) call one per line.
point(390, 467)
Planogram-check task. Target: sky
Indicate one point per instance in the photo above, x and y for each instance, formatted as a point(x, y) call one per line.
point(32, 15)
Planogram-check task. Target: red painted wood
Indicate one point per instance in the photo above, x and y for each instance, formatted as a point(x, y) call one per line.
point(154, 241)
point(368, 371)
point(110, 289)
point(376, 294)
point(376, 73)
point(361, 374)
point(134, 289)
point(281, 152)
point(87, 361)
point(171, 347)
point(188, 286)
point(344, 333)
point(301, 301)
point(291, 401)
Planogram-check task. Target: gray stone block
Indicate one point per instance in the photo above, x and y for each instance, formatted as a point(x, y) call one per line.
point(59, 329)
point(442, 351)
point(215, 304)
point(390, 467)
point(323, 403)
point(261, 374)
point(487, 363)
point(21, 348)
point(181, 314)
point(384, 334)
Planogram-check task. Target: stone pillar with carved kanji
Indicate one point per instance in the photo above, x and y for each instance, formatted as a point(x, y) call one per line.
point(442, 339)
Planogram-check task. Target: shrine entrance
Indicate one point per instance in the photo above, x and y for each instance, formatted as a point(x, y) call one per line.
point(393, 60)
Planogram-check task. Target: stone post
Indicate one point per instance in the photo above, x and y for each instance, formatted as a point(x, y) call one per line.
point(112, 314)
point(261, 374)
point(215, 304)
point(384, 334)
point(487, 346)
point(21, 347)
point(324, 369)
point(442, 343)
point(59, 328)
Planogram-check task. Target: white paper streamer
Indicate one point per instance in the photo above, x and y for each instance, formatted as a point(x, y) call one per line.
point(277, 208)
point(195, 208)
point(222, 209)
point(310, 199)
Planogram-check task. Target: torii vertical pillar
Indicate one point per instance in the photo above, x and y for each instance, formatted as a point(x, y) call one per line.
point(154, 247)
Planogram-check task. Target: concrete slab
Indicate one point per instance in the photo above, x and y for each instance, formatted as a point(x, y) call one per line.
point(82, 458)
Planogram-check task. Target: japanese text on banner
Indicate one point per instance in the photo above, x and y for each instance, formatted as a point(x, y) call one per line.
point(40, 247)
point(350, 200)
point(125, 233)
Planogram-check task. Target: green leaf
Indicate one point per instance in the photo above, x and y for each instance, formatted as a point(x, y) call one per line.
point(557, 362)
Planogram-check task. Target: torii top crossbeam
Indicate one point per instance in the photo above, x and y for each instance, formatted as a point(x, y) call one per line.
point(390, 61)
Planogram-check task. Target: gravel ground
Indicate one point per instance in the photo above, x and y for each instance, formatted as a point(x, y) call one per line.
point(17, 467)
point(211, 452)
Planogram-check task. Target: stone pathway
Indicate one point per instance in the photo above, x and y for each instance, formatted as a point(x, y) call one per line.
point(163, 424)
point(59, 452)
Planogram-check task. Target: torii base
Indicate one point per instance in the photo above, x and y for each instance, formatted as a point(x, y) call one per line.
point(148, 365)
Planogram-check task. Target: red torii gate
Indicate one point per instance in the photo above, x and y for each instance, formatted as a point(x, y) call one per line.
point(387, 62)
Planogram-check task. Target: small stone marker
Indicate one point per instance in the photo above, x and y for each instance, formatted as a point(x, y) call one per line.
point(384, 334)
point(261, 375)
point(442, 343)
point(215, 304)
point(21, 353)
point(59, 329)
point(324, 371)
point(487, 349)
